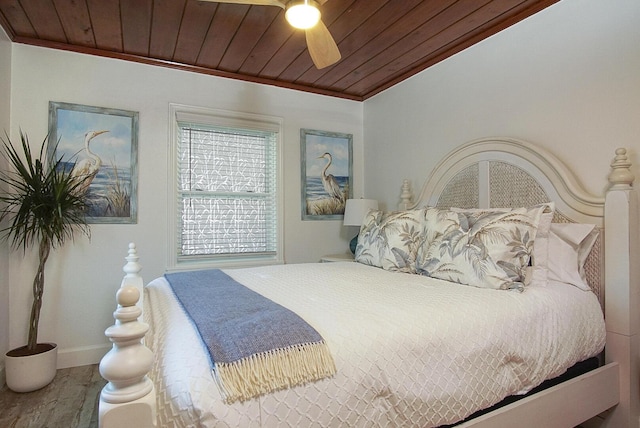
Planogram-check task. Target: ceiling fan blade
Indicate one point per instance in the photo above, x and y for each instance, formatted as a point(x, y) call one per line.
point(253, 2)
point(322, 48)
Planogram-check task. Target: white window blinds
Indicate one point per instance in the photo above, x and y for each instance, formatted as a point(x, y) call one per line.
point(226, 191)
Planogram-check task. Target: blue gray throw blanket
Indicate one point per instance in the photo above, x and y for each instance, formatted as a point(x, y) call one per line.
point(256, 345)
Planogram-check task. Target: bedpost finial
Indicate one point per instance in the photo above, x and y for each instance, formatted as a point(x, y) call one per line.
point(127, 296)
point(132, 267)
point(132, 278)
point(406, 196)
point(620, 175)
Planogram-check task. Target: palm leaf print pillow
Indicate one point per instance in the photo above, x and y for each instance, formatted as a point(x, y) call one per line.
point(489, 249)
point(392, 240)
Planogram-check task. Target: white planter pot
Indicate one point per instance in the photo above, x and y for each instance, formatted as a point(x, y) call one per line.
point(26, 373)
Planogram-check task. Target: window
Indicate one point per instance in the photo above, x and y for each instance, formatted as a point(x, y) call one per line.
point(226, 187)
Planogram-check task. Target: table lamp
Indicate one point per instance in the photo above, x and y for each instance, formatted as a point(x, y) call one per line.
point(354, 213)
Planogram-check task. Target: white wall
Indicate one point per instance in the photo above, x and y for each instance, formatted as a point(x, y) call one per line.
point(567, 78)
point(83, 276)
point(5, 96)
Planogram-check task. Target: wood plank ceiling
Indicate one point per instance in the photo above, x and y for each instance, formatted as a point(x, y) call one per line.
point(382, 42)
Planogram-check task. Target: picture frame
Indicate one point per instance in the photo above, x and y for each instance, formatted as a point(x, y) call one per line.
point(326, 173)
point(103, 142)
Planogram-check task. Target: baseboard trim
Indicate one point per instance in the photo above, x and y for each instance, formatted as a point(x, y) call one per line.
point(81, 356)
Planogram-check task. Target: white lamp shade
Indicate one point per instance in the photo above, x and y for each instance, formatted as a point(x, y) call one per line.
point(356, 209)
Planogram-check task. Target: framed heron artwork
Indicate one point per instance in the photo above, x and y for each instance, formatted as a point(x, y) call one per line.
point(327, 173)
point(100, 146)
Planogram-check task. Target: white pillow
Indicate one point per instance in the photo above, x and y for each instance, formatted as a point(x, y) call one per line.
point(569, 246)
point(539, 259)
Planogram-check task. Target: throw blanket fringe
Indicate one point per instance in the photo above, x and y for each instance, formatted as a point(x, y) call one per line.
point(273, 370)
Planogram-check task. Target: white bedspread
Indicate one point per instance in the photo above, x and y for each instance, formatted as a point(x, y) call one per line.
point(409, 350)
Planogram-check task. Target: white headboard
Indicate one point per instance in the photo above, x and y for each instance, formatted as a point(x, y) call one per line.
point(505, 172)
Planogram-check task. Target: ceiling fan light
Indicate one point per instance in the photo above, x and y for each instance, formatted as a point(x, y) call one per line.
point(302, 14)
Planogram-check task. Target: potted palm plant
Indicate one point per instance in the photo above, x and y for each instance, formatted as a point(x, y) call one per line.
point(40, 204)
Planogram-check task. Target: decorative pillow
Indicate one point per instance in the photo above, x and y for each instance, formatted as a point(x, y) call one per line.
point(537, 270)
point(485, 248)
point(391, 240)
point(569, 246)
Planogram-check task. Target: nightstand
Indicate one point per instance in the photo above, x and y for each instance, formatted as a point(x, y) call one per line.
point(337, 258)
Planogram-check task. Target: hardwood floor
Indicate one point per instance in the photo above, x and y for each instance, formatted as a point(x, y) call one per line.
point(70, 401)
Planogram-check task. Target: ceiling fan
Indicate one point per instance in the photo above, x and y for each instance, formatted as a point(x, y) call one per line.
point(304, 14)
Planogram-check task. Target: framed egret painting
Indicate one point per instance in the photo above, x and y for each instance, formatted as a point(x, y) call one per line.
point(327, 173)
point(103, 142)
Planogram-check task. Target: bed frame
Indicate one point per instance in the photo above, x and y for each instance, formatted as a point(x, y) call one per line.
point(494, 172)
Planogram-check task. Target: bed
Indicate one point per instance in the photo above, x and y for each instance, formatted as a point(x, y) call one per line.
point(403, 360)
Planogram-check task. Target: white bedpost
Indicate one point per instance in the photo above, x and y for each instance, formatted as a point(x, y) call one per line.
point(406, 195)
point(622, 279)
point(128, 400)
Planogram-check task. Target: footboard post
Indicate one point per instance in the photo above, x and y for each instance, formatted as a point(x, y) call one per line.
point(128, 400)
point(623, 290)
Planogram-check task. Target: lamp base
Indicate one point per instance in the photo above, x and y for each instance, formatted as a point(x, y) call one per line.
point(353, 244)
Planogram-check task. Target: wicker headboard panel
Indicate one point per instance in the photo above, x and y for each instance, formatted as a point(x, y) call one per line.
point(503, 172)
